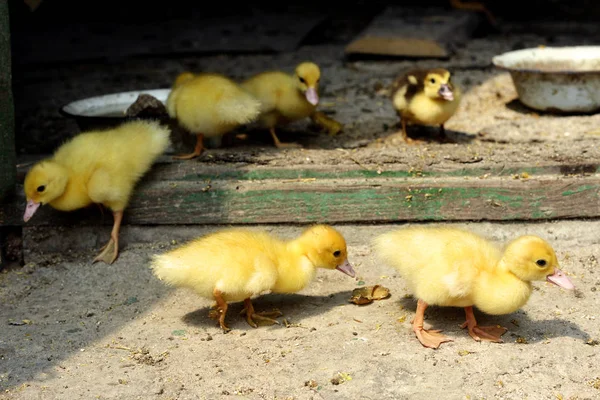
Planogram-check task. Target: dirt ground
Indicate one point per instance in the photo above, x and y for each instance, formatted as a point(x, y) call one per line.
point(491, 126)
point(73, 330)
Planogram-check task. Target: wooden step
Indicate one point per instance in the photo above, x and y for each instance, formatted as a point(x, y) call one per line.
point(181, 193)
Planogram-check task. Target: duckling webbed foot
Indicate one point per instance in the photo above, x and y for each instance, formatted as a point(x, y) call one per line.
point(197, 150)
point(404, 135)
point(281, 145)
point(252, 316)
point(431, 338)
point(479, 333)
point(332, 126)
point(220, 311)
point(110, 251)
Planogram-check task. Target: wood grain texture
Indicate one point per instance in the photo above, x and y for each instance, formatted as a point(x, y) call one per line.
point(404, 31)
point(186, 193)
point(7, 127)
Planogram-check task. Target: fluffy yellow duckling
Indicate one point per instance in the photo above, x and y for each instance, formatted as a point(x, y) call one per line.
point(209, 105)
point(456, 268)
point(238, 264)
point(97, 167)
point(286, 98)
point(425, 97)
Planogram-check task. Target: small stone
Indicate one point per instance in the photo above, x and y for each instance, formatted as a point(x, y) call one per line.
point(311, 384)
point(355, 333)
point(208, 338)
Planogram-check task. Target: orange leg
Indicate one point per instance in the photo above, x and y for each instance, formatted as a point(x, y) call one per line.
point(428, 338)
point(405, 137)
point(110, 250)
point(479, 333)
point(197, 150)
point(252, 316)
point(475, 6)
point(221, 310)
point(281, 145)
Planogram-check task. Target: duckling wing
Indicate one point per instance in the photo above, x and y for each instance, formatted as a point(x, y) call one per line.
point(258, 278)
point(239, 264)
point(106, 188)
point(404, 89)
point(439, 266)
point(270, 88)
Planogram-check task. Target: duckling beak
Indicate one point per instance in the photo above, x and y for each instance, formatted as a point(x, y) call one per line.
point(312, 96)
point(446, 92)
point(347, 269)
point(560, 279)
point(31, 208)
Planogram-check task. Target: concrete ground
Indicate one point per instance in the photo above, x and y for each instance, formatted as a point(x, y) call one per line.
point(73, 330)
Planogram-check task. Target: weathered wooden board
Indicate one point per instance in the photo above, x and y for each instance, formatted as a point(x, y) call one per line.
point(7, 127)
point(188, 193)
point(167, 169)
point(404, 31)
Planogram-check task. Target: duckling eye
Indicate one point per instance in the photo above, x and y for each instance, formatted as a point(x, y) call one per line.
point(541, 263)
point(41, 188)
point(337, 253)
point(302, 80)
point(432, 80)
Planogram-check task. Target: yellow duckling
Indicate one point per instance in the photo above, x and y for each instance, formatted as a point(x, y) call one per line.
point(456, 268)
point(97, 167)
point(209, 105)
point(425, 97)
point(238, 264)
point(286, 98)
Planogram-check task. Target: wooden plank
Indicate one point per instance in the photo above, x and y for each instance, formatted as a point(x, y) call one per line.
point(414, 32)
point(338, 197)
point(167, 169)
point(7, 126)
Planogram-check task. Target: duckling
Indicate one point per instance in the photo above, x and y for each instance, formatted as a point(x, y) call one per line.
point(286, 98)
point(239, 264)
point(456, 268)
point(425, 97)
point(97, 167)
point(209, 105)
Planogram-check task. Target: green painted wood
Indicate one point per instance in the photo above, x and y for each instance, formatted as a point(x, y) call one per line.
point(340, 197)
point(166, 169)
point(7, 126)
